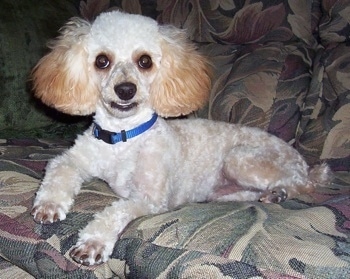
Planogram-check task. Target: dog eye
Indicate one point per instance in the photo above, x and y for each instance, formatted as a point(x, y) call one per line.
point(102, 61)
point(145, 62)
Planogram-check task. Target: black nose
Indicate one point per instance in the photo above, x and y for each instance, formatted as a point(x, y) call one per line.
point(125, 91)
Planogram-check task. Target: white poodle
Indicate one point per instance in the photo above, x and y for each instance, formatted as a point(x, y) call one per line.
point(128, 70)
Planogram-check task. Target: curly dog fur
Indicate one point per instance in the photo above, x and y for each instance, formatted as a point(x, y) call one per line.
point(127, 69)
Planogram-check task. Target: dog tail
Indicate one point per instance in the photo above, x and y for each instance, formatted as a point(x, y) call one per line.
point(320, 175)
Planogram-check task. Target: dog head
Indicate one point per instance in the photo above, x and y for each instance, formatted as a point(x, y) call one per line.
point(123, 63)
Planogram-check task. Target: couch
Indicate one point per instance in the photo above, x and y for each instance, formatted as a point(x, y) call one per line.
point(281, 65)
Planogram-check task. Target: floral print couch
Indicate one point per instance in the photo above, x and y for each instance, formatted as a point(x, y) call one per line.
point(281, 65)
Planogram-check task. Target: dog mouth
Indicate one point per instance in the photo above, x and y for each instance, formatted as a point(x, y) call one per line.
point(123, 107)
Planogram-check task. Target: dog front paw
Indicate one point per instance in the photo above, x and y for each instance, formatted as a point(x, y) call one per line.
point(48, 212)
point(276, 195)
point(90, 252)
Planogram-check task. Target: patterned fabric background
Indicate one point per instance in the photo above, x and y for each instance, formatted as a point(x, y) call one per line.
point(279, 65)
point(287, 74)
point(25, 28)
point(326, 117)
point(304, 237)
point(295, 50)
point(241, 22)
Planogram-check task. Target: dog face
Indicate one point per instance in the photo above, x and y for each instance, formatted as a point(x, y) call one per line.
point(126, 59)
point(123, 63)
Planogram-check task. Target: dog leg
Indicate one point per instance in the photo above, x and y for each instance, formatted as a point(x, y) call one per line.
point(233, 192)
point(56, 194)
point(237, 196)
point(96, 241)
point(274, 174)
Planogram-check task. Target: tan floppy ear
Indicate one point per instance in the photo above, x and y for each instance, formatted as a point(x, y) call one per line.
point(61, 79)
point(183, 83)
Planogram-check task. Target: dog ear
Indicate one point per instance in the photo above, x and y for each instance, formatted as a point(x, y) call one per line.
point(182, 84)
point(61, 79)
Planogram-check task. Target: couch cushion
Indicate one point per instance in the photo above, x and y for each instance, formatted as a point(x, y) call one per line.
point(238, 240)
point(261, 85)
point(324, 132)
point(25, 28)
point(36, 249)
point(241, 22)
point(306, 237)
point(334, 26)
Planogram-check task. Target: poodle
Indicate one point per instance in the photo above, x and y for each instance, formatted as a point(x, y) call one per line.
point(131, 73)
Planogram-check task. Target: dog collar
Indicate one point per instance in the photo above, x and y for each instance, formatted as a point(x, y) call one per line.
point(113, 137)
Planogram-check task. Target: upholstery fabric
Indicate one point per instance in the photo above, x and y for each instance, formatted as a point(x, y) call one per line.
point(281, 65)
point(241, 22)
point(326, 115)
point(25, 28)
point(287, 73)
point(270, 94)
point(308, 237)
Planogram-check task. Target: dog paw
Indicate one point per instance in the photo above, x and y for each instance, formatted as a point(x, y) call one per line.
point(47, 213)
point(90, 252)
point(276, 195)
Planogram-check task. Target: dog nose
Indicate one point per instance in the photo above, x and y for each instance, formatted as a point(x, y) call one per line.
point(125, 91)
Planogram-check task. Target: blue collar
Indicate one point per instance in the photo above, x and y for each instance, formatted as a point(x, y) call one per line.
point(113, 137)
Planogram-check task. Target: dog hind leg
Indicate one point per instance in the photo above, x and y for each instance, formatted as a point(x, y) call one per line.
point(265, 174)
